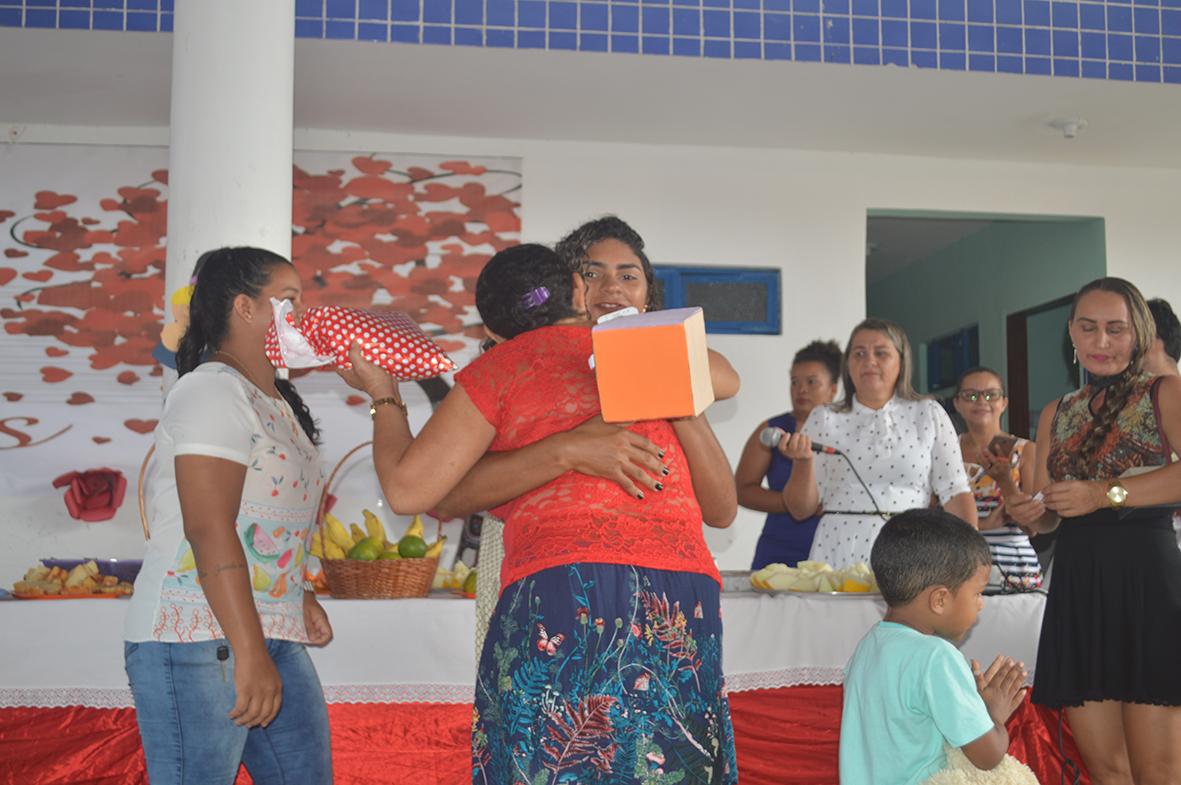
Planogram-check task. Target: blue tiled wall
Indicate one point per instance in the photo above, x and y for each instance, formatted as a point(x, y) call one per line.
point(1130, 40)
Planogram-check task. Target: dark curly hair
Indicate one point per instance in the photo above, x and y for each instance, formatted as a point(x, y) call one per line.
point(827, 353)
point(523, 288)
point(1119, 389)
point(574, 247)
point(1168, 328)
point(222, 275)
point(921, 548)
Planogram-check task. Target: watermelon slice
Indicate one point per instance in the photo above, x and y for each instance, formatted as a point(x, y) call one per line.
point(285, 559)
point(260, 545)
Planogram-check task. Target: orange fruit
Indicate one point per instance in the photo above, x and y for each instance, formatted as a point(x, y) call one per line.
point(851, 585)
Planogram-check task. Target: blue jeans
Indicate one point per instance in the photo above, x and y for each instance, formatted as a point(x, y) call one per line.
point(183, 695)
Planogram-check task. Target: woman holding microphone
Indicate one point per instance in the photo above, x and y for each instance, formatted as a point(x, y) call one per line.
point(891, 451)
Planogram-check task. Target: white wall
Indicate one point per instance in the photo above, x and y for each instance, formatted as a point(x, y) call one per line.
point(804, 212)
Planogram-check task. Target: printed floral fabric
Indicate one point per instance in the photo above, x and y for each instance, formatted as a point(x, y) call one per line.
point(604, 674)
point(539, 384)
point(1134, 441)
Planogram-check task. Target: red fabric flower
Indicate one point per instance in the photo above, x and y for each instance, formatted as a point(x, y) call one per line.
point(93, 495)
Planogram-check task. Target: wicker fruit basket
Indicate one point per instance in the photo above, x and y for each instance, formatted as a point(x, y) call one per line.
point(382, 579)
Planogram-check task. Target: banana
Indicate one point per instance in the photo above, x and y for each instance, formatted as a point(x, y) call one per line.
point(337, 533)
point(373, 526)
point(317, 549)
point(435, 549)
point(416, 527)
point(333, 551)
point(357, 532)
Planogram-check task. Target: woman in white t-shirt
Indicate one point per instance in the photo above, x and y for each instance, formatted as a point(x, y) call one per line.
point(215, 633)
point(901, 444)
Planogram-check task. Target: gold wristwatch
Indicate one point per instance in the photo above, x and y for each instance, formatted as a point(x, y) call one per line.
point(1117, 494)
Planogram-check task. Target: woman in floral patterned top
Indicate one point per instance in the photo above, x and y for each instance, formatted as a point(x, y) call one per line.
point(602, 662)
point(216, 630)
point(1112, 626)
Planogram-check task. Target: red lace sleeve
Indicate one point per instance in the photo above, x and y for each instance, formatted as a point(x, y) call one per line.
point(482, 381)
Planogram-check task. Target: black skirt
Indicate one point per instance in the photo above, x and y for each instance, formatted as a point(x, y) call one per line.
point(1112, 627)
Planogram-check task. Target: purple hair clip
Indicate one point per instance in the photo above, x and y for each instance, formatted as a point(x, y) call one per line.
point(535, 298)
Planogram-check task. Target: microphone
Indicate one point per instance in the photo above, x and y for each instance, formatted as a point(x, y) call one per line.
point(771, 436)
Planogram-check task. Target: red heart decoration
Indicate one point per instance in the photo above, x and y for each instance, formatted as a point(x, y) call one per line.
point(79, 398)
point(13, 396)
point(100, 439)
point(127, 377)
point(6, 275)
point(141, 426)
point(41, 276)
point(15, 253)
point(354, 400)
point(51, 375)
point(55, 351)
point(48, 200)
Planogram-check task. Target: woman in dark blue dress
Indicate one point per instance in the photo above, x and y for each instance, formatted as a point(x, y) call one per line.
point(814, 374)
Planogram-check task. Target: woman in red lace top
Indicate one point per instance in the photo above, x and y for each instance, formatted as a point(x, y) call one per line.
point(604, 651)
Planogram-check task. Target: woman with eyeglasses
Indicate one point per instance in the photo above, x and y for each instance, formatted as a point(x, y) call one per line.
point(998, 465)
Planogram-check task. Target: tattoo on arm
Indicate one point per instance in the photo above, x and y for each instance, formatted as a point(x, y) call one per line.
point(220, 569)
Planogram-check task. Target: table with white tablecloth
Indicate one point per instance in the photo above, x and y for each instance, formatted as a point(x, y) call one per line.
point(406, 668)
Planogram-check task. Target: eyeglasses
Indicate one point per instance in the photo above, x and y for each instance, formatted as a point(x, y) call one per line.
point(971, 396)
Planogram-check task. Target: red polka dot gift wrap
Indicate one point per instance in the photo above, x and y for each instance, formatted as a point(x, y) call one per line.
point(390, 339)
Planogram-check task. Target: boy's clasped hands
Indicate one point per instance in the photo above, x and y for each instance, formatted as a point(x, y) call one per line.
point(1002, 687)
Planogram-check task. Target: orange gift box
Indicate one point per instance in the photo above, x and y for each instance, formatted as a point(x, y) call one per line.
point(653, 366)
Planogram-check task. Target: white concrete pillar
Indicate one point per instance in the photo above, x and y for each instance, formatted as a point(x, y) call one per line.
point(229, 158)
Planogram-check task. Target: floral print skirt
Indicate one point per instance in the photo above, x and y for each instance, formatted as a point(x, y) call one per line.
point(604, 673)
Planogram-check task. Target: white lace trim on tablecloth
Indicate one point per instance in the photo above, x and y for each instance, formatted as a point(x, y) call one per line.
point(786, 677)
point(60, 697)
point(400, 693)
point(65, 697)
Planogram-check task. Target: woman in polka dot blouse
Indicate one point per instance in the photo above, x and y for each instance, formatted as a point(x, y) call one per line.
point(902, 444)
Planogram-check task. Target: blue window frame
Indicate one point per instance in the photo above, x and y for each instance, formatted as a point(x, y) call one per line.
point(736, 300)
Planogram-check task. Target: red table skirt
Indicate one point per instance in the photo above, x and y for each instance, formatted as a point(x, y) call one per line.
point(784, 736)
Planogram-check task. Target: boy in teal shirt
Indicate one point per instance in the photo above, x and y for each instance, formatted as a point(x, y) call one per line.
point(908, 690)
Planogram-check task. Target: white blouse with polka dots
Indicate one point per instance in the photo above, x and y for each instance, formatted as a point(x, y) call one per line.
point(905, 452)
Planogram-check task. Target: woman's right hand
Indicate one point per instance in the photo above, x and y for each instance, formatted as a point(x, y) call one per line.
point(258, 688)
point(601, 449)
point(367, 377)
point(1024, 509)
point(796, 447)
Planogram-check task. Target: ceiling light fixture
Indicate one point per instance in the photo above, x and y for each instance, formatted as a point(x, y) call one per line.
point(1069, 127)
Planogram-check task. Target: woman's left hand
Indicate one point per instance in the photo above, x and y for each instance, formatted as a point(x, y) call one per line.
point(316, 620)
point(1073, 498)
point(367, 377)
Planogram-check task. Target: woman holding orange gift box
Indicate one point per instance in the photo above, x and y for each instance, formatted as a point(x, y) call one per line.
point(610, 257)
point(587, 567)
